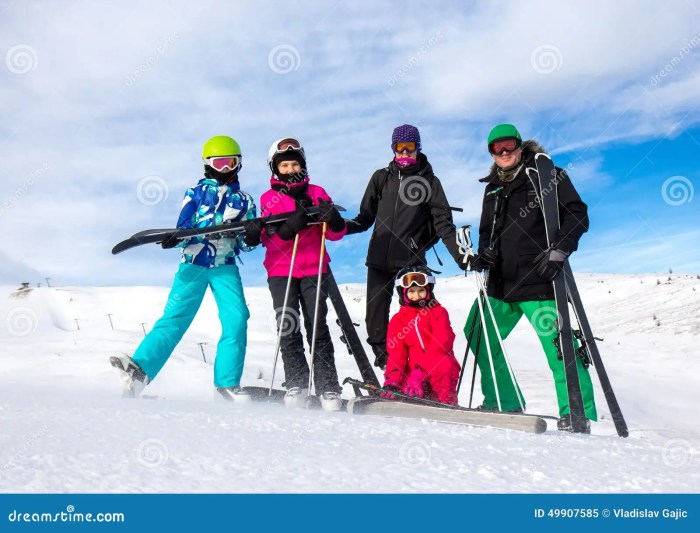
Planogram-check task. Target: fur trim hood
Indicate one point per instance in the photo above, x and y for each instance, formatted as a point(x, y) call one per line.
point(530, 148)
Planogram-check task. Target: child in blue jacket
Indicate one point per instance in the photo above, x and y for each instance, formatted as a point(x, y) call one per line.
point(216, 199)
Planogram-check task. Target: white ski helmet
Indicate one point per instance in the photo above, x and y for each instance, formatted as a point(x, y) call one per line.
point(286, 144)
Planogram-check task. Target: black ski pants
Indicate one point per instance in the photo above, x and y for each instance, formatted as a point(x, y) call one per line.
point(380, 291)
point(302, 293)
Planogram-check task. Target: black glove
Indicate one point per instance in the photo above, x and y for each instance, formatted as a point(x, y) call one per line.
point(253, 228)
point(293, 225)
point(463, 261)
point(170, 242)
point(550, 263)
point(486, 259)
point(329, 214)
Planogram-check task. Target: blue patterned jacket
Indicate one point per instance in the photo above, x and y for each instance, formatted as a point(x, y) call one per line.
point(209, 204)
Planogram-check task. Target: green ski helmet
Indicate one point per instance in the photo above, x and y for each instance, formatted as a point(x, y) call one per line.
point(503, 131)
point(221, 153)
point(221, 145)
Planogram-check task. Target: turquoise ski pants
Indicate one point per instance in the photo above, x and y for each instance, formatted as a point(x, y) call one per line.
point(191, 282)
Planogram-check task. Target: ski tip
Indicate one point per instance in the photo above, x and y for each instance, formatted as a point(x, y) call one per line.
point(541, 155)
point(540, 425)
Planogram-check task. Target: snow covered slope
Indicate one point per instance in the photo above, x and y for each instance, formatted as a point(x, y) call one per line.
point(66, 429)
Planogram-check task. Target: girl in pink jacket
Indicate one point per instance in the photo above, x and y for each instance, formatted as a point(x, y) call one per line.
point(420, 342)
point(290, 190)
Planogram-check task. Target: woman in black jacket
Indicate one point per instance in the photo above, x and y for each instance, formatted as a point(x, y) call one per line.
point(407, 205)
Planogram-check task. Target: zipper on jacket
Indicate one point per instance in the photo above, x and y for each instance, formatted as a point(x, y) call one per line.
point(393, 217)
point(420, 339)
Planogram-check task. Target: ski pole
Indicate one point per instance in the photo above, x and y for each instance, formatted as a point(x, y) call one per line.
point(280, 325)
point(318, 301)
point(377, 390)
point(465, 245)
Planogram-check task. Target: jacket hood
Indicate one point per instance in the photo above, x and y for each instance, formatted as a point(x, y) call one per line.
point(530, 148)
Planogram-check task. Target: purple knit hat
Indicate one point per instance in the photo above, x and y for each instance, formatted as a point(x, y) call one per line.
point(404, 134)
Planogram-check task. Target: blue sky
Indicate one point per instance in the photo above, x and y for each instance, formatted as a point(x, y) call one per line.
point(105, 108)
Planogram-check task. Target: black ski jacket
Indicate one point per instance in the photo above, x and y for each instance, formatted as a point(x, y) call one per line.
point(409, 211)
point(520, 234)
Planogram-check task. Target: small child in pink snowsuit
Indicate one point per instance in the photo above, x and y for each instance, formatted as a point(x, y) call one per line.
point(300, 239)
point(420, 342)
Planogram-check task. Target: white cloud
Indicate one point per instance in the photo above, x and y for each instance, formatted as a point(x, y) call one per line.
point(120, 92)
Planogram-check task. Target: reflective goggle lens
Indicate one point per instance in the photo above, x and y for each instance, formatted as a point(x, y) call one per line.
point(414, 278)
point(222, 163)
point(504, 145)
point(288, 144)
point(407, 146)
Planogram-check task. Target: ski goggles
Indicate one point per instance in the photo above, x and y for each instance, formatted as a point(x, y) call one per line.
point(414, 278)
point(405, 147)
point(287, 144)
point(506, 145)
point(222, 163)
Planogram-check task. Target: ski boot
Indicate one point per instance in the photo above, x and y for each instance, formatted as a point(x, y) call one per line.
point(330, 401)
point(133, 378)
point(234, 394)
point(296, 397)
point(564, 424)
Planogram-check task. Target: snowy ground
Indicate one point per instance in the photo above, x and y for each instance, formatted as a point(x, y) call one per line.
point(65, 427)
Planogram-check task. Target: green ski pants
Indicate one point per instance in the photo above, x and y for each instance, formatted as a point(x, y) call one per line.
point(542, 315)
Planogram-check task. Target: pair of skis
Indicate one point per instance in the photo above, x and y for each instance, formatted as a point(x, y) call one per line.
point(565, 293)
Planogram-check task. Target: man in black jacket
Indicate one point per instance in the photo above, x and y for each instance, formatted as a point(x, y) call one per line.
point(407, 205)
point(520, 273)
